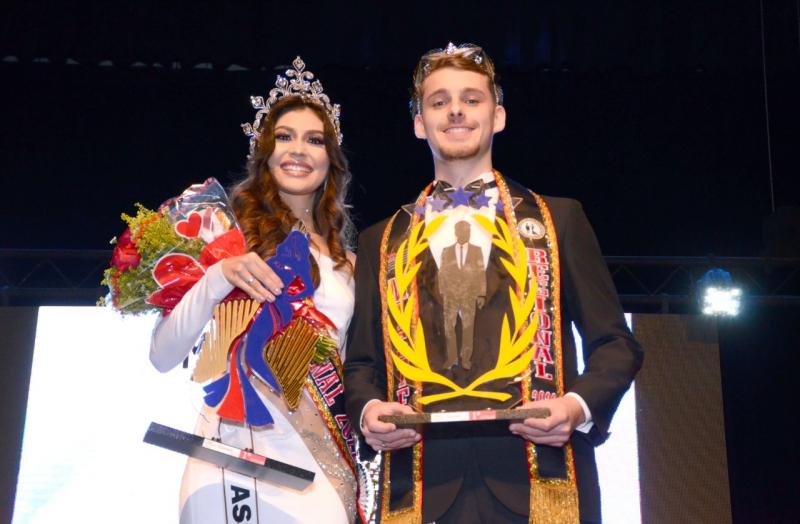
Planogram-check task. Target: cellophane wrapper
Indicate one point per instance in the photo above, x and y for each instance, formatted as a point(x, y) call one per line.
point(163, 253)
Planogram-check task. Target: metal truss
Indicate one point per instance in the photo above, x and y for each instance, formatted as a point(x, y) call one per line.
point(40, 277)
point(33, 277)
point(669, 284)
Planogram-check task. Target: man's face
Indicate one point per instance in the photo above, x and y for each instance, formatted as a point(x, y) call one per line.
point(459, 115)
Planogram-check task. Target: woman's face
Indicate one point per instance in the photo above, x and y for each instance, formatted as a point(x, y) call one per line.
point(299, 162)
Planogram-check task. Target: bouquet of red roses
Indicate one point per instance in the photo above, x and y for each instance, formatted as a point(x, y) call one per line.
point(163, 253)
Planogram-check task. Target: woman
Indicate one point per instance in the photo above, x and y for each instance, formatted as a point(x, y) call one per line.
point(297, 178)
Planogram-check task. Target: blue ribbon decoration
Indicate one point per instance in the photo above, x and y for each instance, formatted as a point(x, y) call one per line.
point(291, 261)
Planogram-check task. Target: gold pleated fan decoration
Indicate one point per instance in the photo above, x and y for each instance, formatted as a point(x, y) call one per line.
point(230, 320)
point(289, 356)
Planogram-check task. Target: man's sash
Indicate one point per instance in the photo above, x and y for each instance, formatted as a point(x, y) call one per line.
point(552, 500)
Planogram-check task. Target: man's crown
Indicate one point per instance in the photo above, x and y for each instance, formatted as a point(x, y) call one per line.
point(297, 82)
point(470, 51)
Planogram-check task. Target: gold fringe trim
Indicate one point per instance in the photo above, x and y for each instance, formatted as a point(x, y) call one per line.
point(402, 517)
point(554, 502)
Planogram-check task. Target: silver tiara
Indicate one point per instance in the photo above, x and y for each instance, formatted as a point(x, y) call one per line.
point(470, 51)
point(297, 82)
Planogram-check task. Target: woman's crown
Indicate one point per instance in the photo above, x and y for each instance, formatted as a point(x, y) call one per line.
point(297, 82)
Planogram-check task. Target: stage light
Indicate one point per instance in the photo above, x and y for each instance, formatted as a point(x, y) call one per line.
point(719, 296)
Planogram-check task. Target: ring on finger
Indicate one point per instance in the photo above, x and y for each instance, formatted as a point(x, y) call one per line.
point(250, 280)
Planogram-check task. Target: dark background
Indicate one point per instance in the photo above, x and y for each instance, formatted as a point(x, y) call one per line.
point(673, 121)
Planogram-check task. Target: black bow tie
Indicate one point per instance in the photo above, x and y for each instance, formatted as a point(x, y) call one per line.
point(443, 189)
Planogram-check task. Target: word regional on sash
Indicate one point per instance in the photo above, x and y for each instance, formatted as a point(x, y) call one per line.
point(543, 356)
point(327, 381)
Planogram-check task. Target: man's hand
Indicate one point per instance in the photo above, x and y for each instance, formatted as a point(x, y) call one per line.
point(566, 414)
point(383, 436)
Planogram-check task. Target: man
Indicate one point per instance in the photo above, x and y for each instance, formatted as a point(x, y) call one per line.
point(462, 285)
point(543, 270)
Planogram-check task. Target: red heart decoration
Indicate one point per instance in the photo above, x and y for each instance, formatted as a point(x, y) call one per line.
point(190, 227)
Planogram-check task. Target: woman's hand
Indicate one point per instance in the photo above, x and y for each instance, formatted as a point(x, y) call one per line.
point(253, 276)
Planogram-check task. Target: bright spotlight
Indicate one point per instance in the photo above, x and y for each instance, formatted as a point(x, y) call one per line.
point(719, 295)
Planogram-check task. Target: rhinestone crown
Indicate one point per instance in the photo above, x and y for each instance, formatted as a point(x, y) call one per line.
point(297, 82)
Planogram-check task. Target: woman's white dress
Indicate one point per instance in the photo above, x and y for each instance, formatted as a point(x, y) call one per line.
point(210, 494)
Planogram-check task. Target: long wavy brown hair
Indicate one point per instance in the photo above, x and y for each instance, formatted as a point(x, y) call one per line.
point(266, 220)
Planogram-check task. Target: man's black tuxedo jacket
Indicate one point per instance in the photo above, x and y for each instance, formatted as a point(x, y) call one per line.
point(611, 355)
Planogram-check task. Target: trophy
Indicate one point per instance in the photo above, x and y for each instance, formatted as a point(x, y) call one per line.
point(458, 375)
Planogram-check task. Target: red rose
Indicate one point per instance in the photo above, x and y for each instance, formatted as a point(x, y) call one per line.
point(125, 255)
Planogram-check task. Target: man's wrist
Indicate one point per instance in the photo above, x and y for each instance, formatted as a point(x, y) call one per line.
point(586, 423)
point(363, 411)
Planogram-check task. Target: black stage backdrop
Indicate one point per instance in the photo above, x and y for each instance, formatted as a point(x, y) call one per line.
point(655, 117)
point(670, 120)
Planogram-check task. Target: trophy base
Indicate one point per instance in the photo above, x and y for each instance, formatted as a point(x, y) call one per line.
point(229, 457)
point(480, 415)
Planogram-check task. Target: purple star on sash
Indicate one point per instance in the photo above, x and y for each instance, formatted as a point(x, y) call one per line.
point(419, 210)
point(437, 204)
point(460, 197)
point(481, 201)
point(515, 201)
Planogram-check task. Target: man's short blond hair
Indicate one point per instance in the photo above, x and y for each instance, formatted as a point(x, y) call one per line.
point(468, 57)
